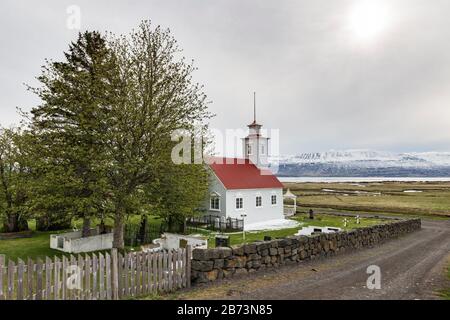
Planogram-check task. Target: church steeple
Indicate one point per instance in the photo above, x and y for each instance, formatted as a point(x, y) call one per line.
point(256, 147)
point(254, 107)
point(254, 126)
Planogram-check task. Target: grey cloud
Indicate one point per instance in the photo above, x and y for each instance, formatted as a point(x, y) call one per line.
point(321, 89)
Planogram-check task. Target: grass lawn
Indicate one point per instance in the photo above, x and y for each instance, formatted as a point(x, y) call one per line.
point(321, 220)
point(446, 292)
point(421, 198)
point(38, 246)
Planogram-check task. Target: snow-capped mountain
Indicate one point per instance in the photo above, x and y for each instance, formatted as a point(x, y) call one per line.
point(357, 163)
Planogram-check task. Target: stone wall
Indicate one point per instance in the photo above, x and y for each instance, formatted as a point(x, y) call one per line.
point(222, 263)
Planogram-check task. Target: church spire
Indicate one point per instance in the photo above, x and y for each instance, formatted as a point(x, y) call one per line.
point(254, 124)
point(256, 147)
point(254, 107)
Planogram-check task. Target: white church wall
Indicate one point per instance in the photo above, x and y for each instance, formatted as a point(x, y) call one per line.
point(255, 214)
point(216, 186)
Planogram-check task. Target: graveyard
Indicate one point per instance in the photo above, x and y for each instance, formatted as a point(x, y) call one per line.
point(320, 220)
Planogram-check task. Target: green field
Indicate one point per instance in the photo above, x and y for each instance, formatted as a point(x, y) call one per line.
point(446, 292)
point(421, 198)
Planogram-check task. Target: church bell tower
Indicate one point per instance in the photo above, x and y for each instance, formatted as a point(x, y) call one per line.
point(256, 147)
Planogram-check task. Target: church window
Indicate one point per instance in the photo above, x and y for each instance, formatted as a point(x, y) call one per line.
point(239, 203)
point(274, 199)
point(258, 201)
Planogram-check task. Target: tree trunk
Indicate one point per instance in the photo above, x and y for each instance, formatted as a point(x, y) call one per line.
point(118, 241)
point(173, 225)
point(14, 224)
point(86, 231)
point(184, 231)
point(23, 225)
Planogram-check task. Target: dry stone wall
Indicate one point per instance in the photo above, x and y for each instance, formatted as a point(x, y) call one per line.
point(222, 263)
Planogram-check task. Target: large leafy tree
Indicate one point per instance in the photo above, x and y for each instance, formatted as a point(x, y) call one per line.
point(69, 129)
point(156, 95)
point(14, 177)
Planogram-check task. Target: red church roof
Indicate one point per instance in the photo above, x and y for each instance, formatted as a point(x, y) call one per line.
point(243, 174)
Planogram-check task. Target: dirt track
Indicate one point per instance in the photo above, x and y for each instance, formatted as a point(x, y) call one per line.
point(412, 267)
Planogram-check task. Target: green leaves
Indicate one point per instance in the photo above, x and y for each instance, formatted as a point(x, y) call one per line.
point(14, 176)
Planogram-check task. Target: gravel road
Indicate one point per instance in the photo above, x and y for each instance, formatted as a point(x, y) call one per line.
point(412, 267)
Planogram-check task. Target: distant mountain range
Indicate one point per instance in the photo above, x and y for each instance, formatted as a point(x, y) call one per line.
point(365, 163)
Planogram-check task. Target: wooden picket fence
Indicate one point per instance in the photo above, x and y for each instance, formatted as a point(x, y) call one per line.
point(109, 276)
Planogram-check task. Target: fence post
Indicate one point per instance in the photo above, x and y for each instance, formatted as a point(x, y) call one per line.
point(64, 278)
point(39, 282)
point(80, 264)
point(30, 276)
point(188, 265)
point(11, 273)
point(108, 276)
point(132, 265)
point(120, 274)
point(94, 277)
point(170, 271)
point(56, 277)
point(48, 278)
point(87, 277)
point(101, 275)
point(20, 272)
point(72, 291)
point(2, 264)
point(115, 274)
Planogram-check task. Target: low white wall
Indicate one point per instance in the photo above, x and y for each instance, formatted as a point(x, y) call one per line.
point(171, 241)
point(94, 243)
point(72, 242)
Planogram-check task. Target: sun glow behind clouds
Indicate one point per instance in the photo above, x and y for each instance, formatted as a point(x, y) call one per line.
point(369, 19)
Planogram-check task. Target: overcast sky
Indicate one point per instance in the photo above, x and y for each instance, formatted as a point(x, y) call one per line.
point(330, 74)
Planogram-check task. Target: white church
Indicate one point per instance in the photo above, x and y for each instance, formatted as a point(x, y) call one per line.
point(245, 188)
